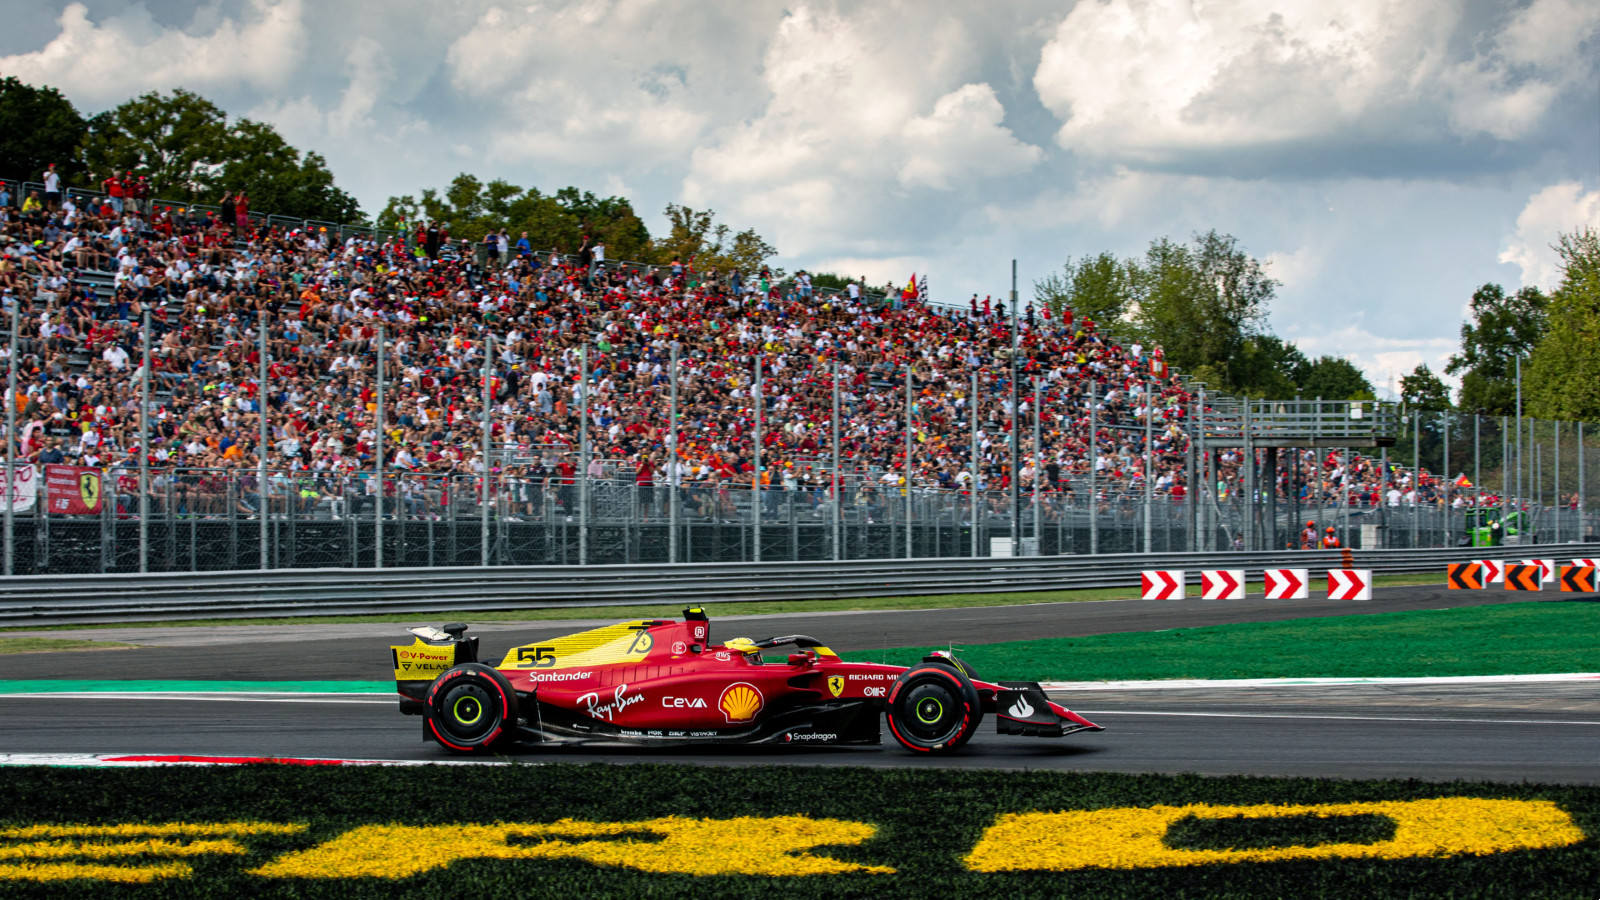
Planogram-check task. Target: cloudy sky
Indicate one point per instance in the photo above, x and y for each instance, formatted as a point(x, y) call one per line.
point(1384, 157)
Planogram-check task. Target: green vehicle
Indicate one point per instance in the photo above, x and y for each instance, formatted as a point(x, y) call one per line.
point(1487, 530)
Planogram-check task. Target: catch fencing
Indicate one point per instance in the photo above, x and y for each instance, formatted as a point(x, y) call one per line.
point(214, 520)
point(42, 600)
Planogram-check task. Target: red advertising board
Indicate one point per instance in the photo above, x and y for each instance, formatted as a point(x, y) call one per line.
point(72, 490)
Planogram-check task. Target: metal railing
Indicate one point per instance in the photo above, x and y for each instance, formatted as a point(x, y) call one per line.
point(65, 599)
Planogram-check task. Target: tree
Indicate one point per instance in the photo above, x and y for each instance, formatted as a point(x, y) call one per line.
point(179, 141)
point(1422, 391)
point(279, 180)
point(1502, 329)
point(1563, 378)
point(471, 209)
point(696, 237)
point(1100, 287)
point(1333, 378)
point(1202, 304)
point(190, 152)
point(38, 127)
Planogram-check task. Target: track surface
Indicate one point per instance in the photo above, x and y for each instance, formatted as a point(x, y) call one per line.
point(361, 652)
point(1543, 731)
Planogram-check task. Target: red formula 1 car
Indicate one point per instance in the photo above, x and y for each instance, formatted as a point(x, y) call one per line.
point(659, 683)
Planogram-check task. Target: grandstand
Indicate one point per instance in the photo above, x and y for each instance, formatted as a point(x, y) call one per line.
point(586, 360)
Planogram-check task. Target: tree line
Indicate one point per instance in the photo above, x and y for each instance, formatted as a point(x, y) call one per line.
point(1205, 304)
point(191, 151)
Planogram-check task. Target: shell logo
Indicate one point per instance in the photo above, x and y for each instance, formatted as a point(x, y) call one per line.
point(740, 702)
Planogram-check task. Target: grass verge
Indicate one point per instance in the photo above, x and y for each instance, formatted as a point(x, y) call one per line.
point(1503, 639)
point(920, 823)
point(734, 608)
point(42, 645)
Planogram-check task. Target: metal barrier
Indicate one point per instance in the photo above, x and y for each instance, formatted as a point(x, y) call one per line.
point(65, 599)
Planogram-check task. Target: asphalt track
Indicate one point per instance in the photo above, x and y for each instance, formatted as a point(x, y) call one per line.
point(1548, 732)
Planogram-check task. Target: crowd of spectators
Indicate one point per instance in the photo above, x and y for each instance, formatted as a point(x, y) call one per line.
point(83, 270)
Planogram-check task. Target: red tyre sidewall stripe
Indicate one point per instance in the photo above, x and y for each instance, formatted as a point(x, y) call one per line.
point(505, 709)
point(966, 707)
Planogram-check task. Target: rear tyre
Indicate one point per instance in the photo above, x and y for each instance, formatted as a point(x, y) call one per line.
point(933, 708)
point(471, 708)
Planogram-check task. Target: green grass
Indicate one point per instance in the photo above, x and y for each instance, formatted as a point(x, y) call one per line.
point(734, 608)
point(927, 821)
point(1503, 639)
point(42, 645)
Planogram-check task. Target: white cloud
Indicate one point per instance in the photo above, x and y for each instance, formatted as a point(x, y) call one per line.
point(607, 81)
point(859, 122)
point(105, 63)
point(1559, 208)
point(1381, 357)
point(1149, 80)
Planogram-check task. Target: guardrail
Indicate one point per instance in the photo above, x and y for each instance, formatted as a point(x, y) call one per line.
point(93, 599)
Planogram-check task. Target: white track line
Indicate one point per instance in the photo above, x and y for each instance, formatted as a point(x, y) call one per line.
point(1229, 715)
point(225, 696)
point(132, 760)
point(1224, 683)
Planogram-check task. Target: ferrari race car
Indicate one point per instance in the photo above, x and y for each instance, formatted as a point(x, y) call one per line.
point(659, 682)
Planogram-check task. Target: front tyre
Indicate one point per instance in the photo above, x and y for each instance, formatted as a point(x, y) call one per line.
point(933, 708)
point(471, 708)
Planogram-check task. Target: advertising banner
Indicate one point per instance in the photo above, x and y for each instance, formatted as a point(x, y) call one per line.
point(72, 490)
point(24, 487)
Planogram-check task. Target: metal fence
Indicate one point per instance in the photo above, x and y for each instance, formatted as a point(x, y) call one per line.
point(63, 599)
point(212, 520)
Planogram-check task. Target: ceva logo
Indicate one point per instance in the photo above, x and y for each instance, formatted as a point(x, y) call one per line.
point(683, 702)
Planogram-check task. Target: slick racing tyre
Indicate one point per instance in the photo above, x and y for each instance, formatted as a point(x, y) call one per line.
point(471, 708)
point(933, 708)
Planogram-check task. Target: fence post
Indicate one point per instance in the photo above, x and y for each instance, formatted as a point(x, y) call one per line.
point(1094, 461)
point(972, 482)
point(583, 453)
point(837, 498)
point(144, 454)
point(906, 463)
point(1038, 469)
point(672, 459)
point(377, 464)
point(488, 429)
point(264, 504)
point(11, 447)
point(755, 478)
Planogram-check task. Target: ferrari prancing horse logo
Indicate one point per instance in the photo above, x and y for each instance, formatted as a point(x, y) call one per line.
point(89, 489)
point(836, 684)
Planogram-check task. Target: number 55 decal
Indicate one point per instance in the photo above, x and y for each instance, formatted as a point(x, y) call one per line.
point(540, 657)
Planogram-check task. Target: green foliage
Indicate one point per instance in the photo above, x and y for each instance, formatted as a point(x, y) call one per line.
point(1502, 329)
point(559, 221)
point(1100, 287)
point(1422, 391)
point(928, 819)
point(1563, 381)
point(832, 281)
point(695, 237)
point(280, 181)
point(1333, 378)
point(1204, 303)
point(38, 127)
point(191, 152)
point(1504, 639)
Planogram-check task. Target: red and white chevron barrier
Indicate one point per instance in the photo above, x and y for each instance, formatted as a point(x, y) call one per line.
point(1349, 584)
point(1161, 584)
point(1222, 584)
point(1591, 563)
point(1494, 570)
point(1287, 584)
point(1547, 569)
